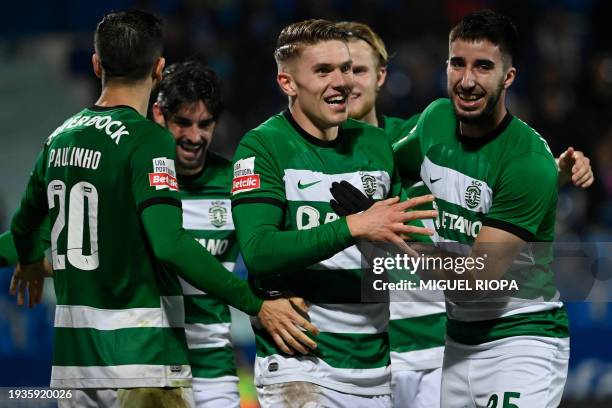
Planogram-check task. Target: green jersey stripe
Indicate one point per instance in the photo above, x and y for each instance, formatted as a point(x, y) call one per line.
point(548, 323)
point(189, 289)
point(426, 332)
point(219, 362)
point(205, 309)
point(121, 346)
point(332, 348)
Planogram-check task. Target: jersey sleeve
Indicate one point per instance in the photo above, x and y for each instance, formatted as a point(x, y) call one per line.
point(256, 178)
point(152, 171)
point(183, 255)
point(404, 128)
point(27, 221)
point(408, 152)
point(8, 253)
point(258, 208)
point(523, 195)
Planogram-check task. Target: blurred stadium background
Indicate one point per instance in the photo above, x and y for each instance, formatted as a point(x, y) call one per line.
point(564, 90)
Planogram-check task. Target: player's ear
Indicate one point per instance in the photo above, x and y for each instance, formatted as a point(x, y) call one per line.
point(158, 116)
point(286, 83)
point(381, 77)
point(97, 65)
point(158, 69)
point(509, 79)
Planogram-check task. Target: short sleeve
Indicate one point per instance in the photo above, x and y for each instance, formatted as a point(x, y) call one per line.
point(256, 176)
point(408, 152)
point(153, 173)
point(524, 195)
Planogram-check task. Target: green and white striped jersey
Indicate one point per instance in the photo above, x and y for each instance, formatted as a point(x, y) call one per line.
point(207, 215)
point(280, 164)
point(484, 181)
point(119, 316)
point(417, 326)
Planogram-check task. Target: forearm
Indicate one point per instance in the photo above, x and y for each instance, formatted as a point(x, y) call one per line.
point(267, 250)
point(26, 236)
point(187, 258)
point(8, 254)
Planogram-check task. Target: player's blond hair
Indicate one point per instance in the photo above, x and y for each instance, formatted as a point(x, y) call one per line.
point(361, 31)
point(294, 37)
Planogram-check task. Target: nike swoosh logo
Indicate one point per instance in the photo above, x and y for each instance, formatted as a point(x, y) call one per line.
point(431, 181)
point(303, 186)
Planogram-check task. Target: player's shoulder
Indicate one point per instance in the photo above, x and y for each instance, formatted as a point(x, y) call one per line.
point(275, 126)
point(525, 139)
point(440, 108)
point(356, 128)
point(396, 128)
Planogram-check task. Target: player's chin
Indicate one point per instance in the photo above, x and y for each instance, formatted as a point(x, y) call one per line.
point(189, 159)
point(468, 115)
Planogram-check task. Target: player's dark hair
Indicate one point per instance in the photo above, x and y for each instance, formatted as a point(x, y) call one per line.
point(187, 83)
point(488, 25)
point(292, 38)
point(128, 43)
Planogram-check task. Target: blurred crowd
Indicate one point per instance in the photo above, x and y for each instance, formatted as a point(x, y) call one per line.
point(564, 87)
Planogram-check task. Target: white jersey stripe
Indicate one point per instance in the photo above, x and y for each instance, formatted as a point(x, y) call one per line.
point(200, 214)
point(308, 185)
point(200, 335)
point(347, 380)
point(362, 318)
point(120, 376)
point(439, 178)
point(170, 314)
point(406, 310)
point(425, 359)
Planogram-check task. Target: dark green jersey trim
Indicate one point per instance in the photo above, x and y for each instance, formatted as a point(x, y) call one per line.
point(258, 200)
point(310, 138)
point(97, 108)
point(477, 142)
point(520, 232)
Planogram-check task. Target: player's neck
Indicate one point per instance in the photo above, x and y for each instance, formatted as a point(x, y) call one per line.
point(133, 95)
point(327, 134)
point(370, 118)
point(485, 126)
point(182, 172)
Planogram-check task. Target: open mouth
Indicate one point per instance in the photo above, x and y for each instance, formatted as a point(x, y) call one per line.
point(191, 147)
point(469, 97)
point(336, 100)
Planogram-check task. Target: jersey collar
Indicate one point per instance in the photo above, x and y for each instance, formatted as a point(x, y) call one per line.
point(310, 138)
point(97, 108)
point(483, 140)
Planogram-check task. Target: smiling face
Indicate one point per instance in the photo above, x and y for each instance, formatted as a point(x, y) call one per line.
point(192, 127)
point(319, 82)
point(368, 78)
point(477, 79)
